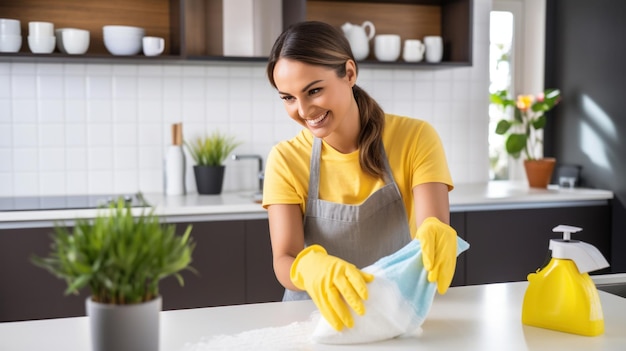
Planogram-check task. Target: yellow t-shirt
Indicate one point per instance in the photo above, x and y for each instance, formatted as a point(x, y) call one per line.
point(413, 148)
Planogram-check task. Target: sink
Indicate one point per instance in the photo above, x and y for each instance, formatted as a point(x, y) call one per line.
point(612, 283)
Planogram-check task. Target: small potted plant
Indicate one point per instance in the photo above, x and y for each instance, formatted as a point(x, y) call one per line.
point(209, 153)
point(522, 133)
point(121, 257)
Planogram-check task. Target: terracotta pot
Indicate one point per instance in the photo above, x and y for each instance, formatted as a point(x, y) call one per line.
point(539, 172)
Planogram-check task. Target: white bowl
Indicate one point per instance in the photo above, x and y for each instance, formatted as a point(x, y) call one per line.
point(123, 40)
point(9, 26)
point(123, 30)
point(72, 41)
point(10, 43)
point(41, 45)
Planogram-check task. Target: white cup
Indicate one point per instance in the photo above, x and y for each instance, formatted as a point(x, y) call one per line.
point(9, 26)
point(40, 29)
point(153, 46)
point(387, 47)
point(434, 48)
point(72, 41)
point(413, 50)
point(10, 43)
point(41, 45)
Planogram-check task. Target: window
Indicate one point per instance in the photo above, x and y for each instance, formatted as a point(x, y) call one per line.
point(516, 63)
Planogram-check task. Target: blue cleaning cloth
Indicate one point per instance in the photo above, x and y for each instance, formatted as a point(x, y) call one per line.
point(399, 300)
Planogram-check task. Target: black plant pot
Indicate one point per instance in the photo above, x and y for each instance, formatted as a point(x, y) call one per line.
point(209, 179)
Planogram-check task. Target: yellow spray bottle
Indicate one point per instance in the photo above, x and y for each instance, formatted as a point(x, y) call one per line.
point(561, 296)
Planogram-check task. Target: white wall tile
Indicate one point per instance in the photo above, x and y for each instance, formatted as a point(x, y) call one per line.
point(25, 159)
point(51, 135)
point(5, 86)
point(6, 184)
point(6, 160)
point(6, 138)
point(52, 159)
point(25, 135)
point(99, 158)
point(76, 182)
point(49, 87)
point(6, 111)
point(52, 183)
point(100, 134)
point(75, 110)
point(76, 159)
point(23, 87)
point(124, 87)
point(100, 182)
point(99, 110)
point(126, 157)
point(26, 184)
point(24, 110)
point(99, 87)
point(76, 134)
point(50, 110)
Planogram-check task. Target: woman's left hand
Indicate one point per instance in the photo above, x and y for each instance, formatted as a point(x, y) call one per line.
point(438, 241)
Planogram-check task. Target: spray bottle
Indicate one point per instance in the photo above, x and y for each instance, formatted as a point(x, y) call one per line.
point(561, 296)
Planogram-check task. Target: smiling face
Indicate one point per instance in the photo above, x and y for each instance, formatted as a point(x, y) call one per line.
point(316, 98)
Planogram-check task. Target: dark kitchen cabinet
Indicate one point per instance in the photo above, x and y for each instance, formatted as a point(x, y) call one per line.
point(27, 291)
point(193, 28)
point(457, 221)
point(507, 245)
point(233, 260)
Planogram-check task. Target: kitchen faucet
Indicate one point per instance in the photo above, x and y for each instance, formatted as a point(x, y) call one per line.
point(260, 175)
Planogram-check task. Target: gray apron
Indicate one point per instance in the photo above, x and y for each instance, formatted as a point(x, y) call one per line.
point(359, 234)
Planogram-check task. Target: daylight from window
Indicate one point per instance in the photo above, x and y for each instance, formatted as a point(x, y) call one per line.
point(500, 77)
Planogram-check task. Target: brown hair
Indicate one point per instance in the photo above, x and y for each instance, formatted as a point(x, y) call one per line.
point(318, 43)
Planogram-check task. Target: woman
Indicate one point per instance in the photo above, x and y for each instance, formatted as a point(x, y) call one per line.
point(354, 185)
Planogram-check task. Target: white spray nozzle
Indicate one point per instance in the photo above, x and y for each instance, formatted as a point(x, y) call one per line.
point(567, 230)
point(586, 256)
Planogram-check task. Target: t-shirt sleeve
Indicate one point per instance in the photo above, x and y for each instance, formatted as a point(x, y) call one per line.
point(429, 159)
point(278, 184)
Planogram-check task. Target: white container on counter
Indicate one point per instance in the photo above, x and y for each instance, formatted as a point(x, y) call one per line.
point(174, 176)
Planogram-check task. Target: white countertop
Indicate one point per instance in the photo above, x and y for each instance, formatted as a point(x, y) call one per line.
point(194, 207)
point(481, 317)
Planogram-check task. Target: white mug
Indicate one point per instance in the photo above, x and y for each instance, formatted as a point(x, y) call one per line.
point(413, 50)
point(434, 48)
point(387, 47)
point(9, 26)
point(153, 46)
point(40, 29)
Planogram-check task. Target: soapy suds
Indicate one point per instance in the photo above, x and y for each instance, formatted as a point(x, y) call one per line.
point(292, 337)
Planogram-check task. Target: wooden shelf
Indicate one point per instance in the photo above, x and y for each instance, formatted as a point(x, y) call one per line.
point(193, 28)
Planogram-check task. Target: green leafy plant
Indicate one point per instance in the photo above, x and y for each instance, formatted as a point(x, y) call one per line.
point(120, 257)
point(211, 150)
point(528, 118)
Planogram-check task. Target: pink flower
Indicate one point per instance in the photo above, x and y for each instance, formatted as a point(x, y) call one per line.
point(541, 97)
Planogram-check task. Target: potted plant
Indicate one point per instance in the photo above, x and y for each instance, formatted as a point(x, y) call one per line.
point(522, 133)
point(121, 257)
point(209, 153)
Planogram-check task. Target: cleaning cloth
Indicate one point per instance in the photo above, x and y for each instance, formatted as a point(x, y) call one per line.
point(399, 300)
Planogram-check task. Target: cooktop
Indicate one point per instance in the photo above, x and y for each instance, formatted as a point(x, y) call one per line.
point(66, 202)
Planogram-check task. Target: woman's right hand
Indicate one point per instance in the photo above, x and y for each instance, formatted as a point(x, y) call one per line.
point(331, 283)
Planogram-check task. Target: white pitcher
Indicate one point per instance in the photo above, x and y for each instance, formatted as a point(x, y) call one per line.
point(359, 38)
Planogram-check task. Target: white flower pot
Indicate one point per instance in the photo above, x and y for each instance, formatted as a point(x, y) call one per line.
point(124, 327)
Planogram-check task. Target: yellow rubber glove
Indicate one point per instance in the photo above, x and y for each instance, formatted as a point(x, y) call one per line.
point(438, 241)
point(331, 283)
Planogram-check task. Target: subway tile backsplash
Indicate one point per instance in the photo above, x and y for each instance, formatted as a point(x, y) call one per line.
point(89, 128)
